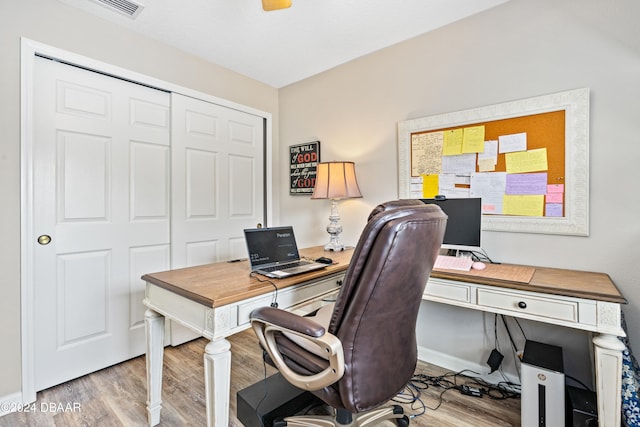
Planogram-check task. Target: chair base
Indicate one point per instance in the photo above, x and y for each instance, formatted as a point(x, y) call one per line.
point(392, 413)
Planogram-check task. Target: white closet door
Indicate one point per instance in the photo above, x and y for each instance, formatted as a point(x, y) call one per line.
point(218, 185)
point(217, 180)
point(101, 162)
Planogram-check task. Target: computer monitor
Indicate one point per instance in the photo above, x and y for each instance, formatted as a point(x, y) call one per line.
point(464, 225)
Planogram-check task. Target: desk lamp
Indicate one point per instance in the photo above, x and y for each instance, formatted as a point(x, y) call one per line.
point(335, 181)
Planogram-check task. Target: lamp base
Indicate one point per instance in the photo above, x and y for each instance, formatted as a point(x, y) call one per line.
point(334, 229)
point(334, 246)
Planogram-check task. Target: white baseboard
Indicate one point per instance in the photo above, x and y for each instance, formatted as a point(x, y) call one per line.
point(11, 403)
point(456, 364)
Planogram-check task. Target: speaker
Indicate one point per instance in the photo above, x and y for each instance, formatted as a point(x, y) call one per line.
point(582, 408)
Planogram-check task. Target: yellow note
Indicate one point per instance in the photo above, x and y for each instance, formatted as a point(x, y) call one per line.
point(527, 161)
point(429, 186)
point(529, 205)
point(473, 139)
point(452, 142)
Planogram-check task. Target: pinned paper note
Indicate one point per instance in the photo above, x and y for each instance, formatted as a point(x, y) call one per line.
point(554, 197)
point(463, 163)
point(513, 143)
point(555, 188)
point(527, 161)
point(490, 187)
point(523, 205)
point(473, 139)
point(488, 159)
point(426, 153)
point(429, 186)
point(553, 209)
point(527, 183)
point(452, 142)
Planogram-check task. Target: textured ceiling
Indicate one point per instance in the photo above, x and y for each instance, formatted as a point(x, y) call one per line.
point(285, 46)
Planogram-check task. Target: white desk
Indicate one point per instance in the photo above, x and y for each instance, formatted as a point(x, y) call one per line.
point(575, 299)
point(215, 300)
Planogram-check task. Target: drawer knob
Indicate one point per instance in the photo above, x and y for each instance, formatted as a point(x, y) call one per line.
point(522, 304)
point(339, 282)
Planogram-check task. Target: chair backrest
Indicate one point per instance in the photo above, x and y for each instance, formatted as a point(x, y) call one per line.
point(376, 311)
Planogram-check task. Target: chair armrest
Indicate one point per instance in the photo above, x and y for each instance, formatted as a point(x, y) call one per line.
point(288, 320)
point(268, 321)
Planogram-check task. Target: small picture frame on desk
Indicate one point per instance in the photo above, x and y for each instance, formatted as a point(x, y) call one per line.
point(303, 164)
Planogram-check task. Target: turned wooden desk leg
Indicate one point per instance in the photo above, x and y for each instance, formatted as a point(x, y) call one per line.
point(154, 328)
point(608, 360)
point(217, 380)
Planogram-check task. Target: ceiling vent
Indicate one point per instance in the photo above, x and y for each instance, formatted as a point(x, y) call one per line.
point(125, 7)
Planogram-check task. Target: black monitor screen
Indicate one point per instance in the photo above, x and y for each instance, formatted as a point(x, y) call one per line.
point(464, 224)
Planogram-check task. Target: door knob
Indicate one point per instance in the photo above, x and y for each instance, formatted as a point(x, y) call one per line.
point(44, 239)
point(259, 225)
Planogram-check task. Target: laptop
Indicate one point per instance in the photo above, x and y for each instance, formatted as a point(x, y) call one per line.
point(273, 252)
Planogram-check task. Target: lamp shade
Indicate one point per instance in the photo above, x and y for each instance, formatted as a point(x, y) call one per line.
point(336, 180)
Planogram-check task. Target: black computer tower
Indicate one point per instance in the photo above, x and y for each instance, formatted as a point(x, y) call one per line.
point(582, 408)
point(270, 399)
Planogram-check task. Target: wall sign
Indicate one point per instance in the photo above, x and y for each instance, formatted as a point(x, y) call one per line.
point(303, 160)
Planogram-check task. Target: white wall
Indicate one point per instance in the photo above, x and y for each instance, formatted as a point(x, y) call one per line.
point(55, 24)
point(521, 49)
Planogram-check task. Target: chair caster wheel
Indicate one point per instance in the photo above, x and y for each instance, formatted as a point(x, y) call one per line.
point(402, 422)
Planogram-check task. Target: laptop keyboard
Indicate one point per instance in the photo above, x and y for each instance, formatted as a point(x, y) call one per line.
point(285, 266)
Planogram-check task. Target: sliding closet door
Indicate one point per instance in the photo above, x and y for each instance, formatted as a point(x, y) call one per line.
point(217, 180)
point(101, 209)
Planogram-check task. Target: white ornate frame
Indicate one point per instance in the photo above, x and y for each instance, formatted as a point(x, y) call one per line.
point(575, 103)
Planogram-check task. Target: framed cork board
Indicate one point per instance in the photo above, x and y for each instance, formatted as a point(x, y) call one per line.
point(527, 159)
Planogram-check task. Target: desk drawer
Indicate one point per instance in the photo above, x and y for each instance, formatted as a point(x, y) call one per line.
point(289, 297)
point(551, 308)
point(448, 291)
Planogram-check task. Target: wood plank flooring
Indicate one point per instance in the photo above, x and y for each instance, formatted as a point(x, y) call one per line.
point(116, 396)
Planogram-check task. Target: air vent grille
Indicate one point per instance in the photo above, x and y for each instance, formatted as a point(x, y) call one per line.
point(125, 7)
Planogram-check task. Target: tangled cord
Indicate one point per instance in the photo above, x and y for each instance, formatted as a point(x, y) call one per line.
point(412, 393)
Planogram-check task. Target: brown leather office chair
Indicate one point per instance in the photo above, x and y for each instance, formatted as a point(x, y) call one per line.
point(357, 354)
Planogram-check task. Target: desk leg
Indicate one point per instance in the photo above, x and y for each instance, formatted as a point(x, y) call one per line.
point(154, 328)
point(608, 359)
point(217, 380)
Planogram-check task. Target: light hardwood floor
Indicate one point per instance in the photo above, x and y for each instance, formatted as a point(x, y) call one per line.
point(116, 396)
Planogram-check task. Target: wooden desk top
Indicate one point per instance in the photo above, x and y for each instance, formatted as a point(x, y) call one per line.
point(572, 283)
point(221, 283)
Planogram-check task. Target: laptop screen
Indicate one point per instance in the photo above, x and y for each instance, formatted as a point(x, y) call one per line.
point(273, 245)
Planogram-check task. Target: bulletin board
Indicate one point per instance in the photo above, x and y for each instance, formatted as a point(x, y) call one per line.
point(556, 125)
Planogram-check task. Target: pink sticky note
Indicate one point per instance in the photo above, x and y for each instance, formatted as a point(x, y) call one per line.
point(555, 188)
point(554, 197)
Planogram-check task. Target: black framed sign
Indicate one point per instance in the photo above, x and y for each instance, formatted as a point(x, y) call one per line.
point(303, 163)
